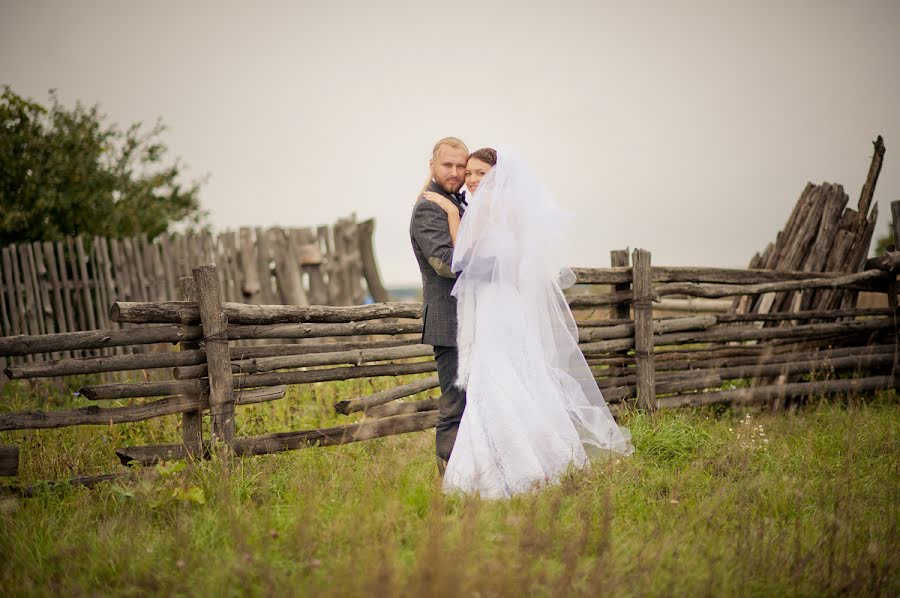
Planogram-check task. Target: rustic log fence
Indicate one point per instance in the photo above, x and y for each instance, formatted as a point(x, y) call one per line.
point(662, 362)
point(67, 286)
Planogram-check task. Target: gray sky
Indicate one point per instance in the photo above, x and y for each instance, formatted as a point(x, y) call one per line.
point(686, 128)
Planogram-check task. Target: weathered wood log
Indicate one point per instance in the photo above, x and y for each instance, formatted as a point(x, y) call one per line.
point(285, 441)
point(96, 339)
point(186, 312)
point(600, 300)
point(269, 364)
point(868, 190)
point(9, 460)
point(643, 329)
point(169, 333)
point(715, 291)
point(834, 314)
point(403, 408)
point(661, 326)
point(767, 357)
point(132, 390)
point(323, 330)
point(173, 359)
point(214, 323)
point(349, 406)
point(764, 367)
point(804, 331)
point(620, 275)
point(764, 394)
point(669, 382)
point(93, 415)
point(889, 261)
point(610, 346)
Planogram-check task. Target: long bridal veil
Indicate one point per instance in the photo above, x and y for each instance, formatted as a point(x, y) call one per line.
point(512, 244)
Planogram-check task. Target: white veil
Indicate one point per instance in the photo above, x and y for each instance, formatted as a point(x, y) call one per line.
point(511, 243)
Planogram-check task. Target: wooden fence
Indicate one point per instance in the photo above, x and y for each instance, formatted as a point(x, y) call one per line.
point(661, 362)
point(67, 286)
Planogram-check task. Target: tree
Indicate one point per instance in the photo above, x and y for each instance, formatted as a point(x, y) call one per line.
point(65, 172)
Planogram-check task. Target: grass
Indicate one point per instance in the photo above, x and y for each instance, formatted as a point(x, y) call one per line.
point(713, 502)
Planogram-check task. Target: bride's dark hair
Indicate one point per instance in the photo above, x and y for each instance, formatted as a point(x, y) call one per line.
point(488, 155)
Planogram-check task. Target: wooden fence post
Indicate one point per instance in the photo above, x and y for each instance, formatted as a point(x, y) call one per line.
point(643, 329)
point(214, 323)
point(191, 421)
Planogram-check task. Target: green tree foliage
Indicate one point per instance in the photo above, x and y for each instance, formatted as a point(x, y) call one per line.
point(882, 243)
point(64, 172)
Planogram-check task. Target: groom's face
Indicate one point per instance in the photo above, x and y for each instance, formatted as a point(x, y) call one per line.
point(448, 168)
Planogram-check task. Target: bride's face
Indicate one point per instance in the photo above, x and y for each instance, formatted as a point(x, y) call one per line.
point(475, 171)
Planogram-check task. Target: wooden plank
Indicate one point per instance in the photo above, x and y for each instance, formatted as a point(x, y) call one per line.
point(18, 289)
point(365, 233)
point(77, 287)
point(169, 265)
point(32, 290)
point(251, 288)
point(63, 261)
point(215, 323)
point(56, 286)
point(12, 324)
point(264, 268)
point(89, 302)
point(287, 269)
point(43, 279)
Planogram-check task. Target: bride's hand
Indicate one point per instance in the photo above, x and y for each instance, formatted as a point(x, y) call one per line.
point(442, 202)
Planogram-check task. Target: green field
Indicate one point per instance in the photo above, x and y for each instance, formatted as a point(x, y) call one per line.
point(713, 502)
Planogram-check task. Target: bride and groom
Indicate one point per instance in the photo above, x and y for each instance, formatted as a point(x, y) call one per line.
point(519, 403)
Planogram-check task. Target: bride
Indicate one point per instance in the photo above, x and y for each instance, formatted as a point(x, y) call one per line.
point(533, 408)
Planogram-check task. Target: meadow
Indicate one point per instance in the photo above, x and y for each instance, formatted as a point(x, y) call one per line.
point(713, 502)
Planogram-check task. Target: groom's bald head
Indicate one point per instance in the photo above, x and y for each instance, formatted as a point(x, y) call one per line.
point(448, 163)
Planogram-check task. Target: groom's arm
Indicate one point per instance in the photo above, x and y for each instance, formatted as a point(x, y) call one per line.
point(432, 232)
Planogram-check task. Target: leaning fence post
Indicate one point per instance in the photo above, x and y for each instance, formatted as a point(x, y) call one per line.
point(215, 337)
point(191, 421)
point(643, 329)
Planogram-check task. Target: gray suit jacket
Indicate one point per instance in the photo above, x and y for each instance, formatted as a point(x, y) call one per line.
point(433, 248)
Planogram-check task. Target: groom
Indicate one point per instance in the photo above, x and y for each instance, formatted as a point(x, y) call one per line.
point(431, 243)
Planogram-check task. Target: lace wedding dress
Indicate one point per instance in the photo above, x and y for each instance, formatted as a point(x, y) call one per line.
point(533, 408)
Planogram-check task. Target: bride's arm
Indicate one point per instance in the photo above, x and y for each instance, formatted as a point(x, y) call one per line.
point(452, 211)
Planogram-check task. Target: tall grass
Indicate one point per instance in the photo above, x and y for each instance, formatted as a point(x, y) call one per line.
point(713, 502)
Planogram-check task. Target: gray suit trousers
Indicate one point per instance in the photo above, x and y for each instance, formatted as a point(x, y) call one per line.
point(452, 402)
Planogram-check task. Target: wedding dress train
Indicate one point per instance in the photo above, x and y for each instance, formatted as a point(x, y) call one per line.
point(533, 408)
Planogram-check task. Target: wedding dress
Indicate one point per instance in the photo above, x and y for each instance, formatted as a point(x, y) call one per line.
point(533, 408)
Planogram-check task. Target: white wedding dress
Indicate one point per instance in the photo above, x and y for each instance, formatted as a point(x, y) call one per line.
point(533, 408)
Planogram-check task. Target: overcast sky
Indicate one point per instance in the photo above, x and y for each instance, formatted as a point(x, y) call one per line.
point(686, 128)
